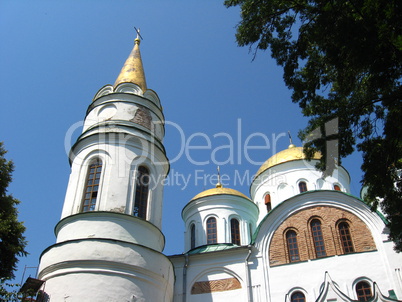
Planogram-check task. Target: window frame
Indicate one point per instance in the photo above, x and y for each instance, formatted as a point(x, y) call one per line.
point(304, 188)
point(211, 230)
point(337, 187)
point(293, 298)
point(192, 235)
point(92, 181)
point(346, 240)
point(291, 245)
point(317, 235)
point(363, 296)
point(268, 202)
point(141, 193)
point(235, 237)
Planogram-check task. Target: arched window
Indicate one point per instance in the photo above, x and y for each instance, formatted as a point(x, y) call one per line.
point(141, 192)
point(267, 200)
point(346, 238)
point(211, 231)
point(192, 236)
point(302, 186)
point(337, 188)
point(92, 186)
point(363, 291)
point(318, 238)
point(235, 231)
point(293, 249)
point(298, 297)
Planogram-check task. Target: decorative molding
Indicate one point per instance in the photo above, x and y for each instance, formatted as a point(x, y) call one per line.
point(205, 287)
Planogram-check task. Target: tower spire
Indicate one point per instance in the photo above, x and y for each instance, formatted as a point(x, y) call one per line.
point(133, 71)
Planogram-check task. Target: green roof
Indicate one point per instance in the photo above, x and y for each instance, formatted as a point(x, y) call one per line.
point(212, 248)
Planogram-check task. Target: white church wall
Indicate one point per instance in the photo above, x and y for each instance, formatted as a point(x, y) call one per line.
point(122, 108)
point(281, 182)
point(105, 270)
point(394, 262)
point(213, 276)
point(119, 163)
point(223, 208)
point(343, 270)
point(112, 226)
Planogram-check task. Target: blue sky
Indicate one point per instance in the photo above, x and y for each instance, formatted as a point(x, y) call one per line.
point(55, 56)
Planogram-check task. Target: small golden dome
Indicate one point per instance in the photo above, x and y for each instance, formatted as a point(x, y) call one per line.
point(290, 154)
point(219, 190)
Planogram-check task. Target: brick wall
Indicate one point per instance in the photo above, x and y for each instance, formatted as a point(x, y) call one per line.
point(329, 217)
point(143, 117)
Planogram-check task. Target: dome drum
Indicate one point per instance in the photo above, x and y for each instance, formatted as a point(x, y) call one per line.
point(225, 206)
point(288, 173)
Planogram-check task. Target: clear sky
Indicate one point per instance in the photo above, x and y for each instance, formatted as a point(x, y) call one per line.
point(55, 56)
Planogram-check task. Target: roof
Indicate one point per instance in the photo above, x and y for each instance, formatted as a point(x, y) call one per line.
point(31, 285)
point(133, 71)
point(290, 154)
point(219, 191)
point(212, 248)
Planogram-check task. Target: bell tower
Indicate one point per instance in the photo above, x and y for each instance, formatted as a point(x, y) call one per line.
point(109, 241)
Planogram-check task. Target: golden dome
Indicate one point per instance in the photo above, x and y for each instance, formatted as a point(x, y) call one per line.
point(290, 154)
point(219, 190)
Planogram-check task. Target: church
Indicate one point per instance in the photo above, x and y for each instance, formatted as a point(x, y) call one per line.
point(298, 237)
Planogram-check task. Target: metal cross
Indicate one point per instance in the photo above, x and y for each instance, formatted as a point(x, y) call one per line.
point(290, 138)
point(138, 33)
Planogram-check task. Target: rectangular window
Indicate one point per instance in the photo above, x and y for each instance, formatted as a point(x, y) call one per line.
point(141, 193)
point(211, 231)
point(346, 238)
point(293, 249)
point(235, 231)
point(92, 186)
point(318, 238)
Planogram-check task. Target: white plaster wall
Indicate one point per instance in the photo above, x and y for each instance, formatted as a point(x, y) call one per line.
point(281, 182)
point(211, 266)
point(117, 184)
point(111, 226)
point(271, 284)
point(122, 146)
point(129, 88)
point(105, 270)
point(394, 262)
point(122, 107)
point(82, 286)
point(377, 266)
point(223, 208)
point(107, 254)
point(343, 270)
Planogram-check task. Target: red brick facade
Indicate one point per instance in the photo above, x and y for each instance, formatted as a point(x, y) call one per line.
point(330, 217)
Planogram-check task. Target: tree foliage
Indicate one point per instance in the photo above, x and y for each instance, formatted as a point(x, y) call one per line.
point(12, 241)
point(9, 291)
point(342, 60)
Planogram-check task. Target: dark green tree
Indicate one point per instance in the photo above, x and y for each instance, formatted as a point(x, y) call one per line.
point(12, 241)
point(343, 62)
